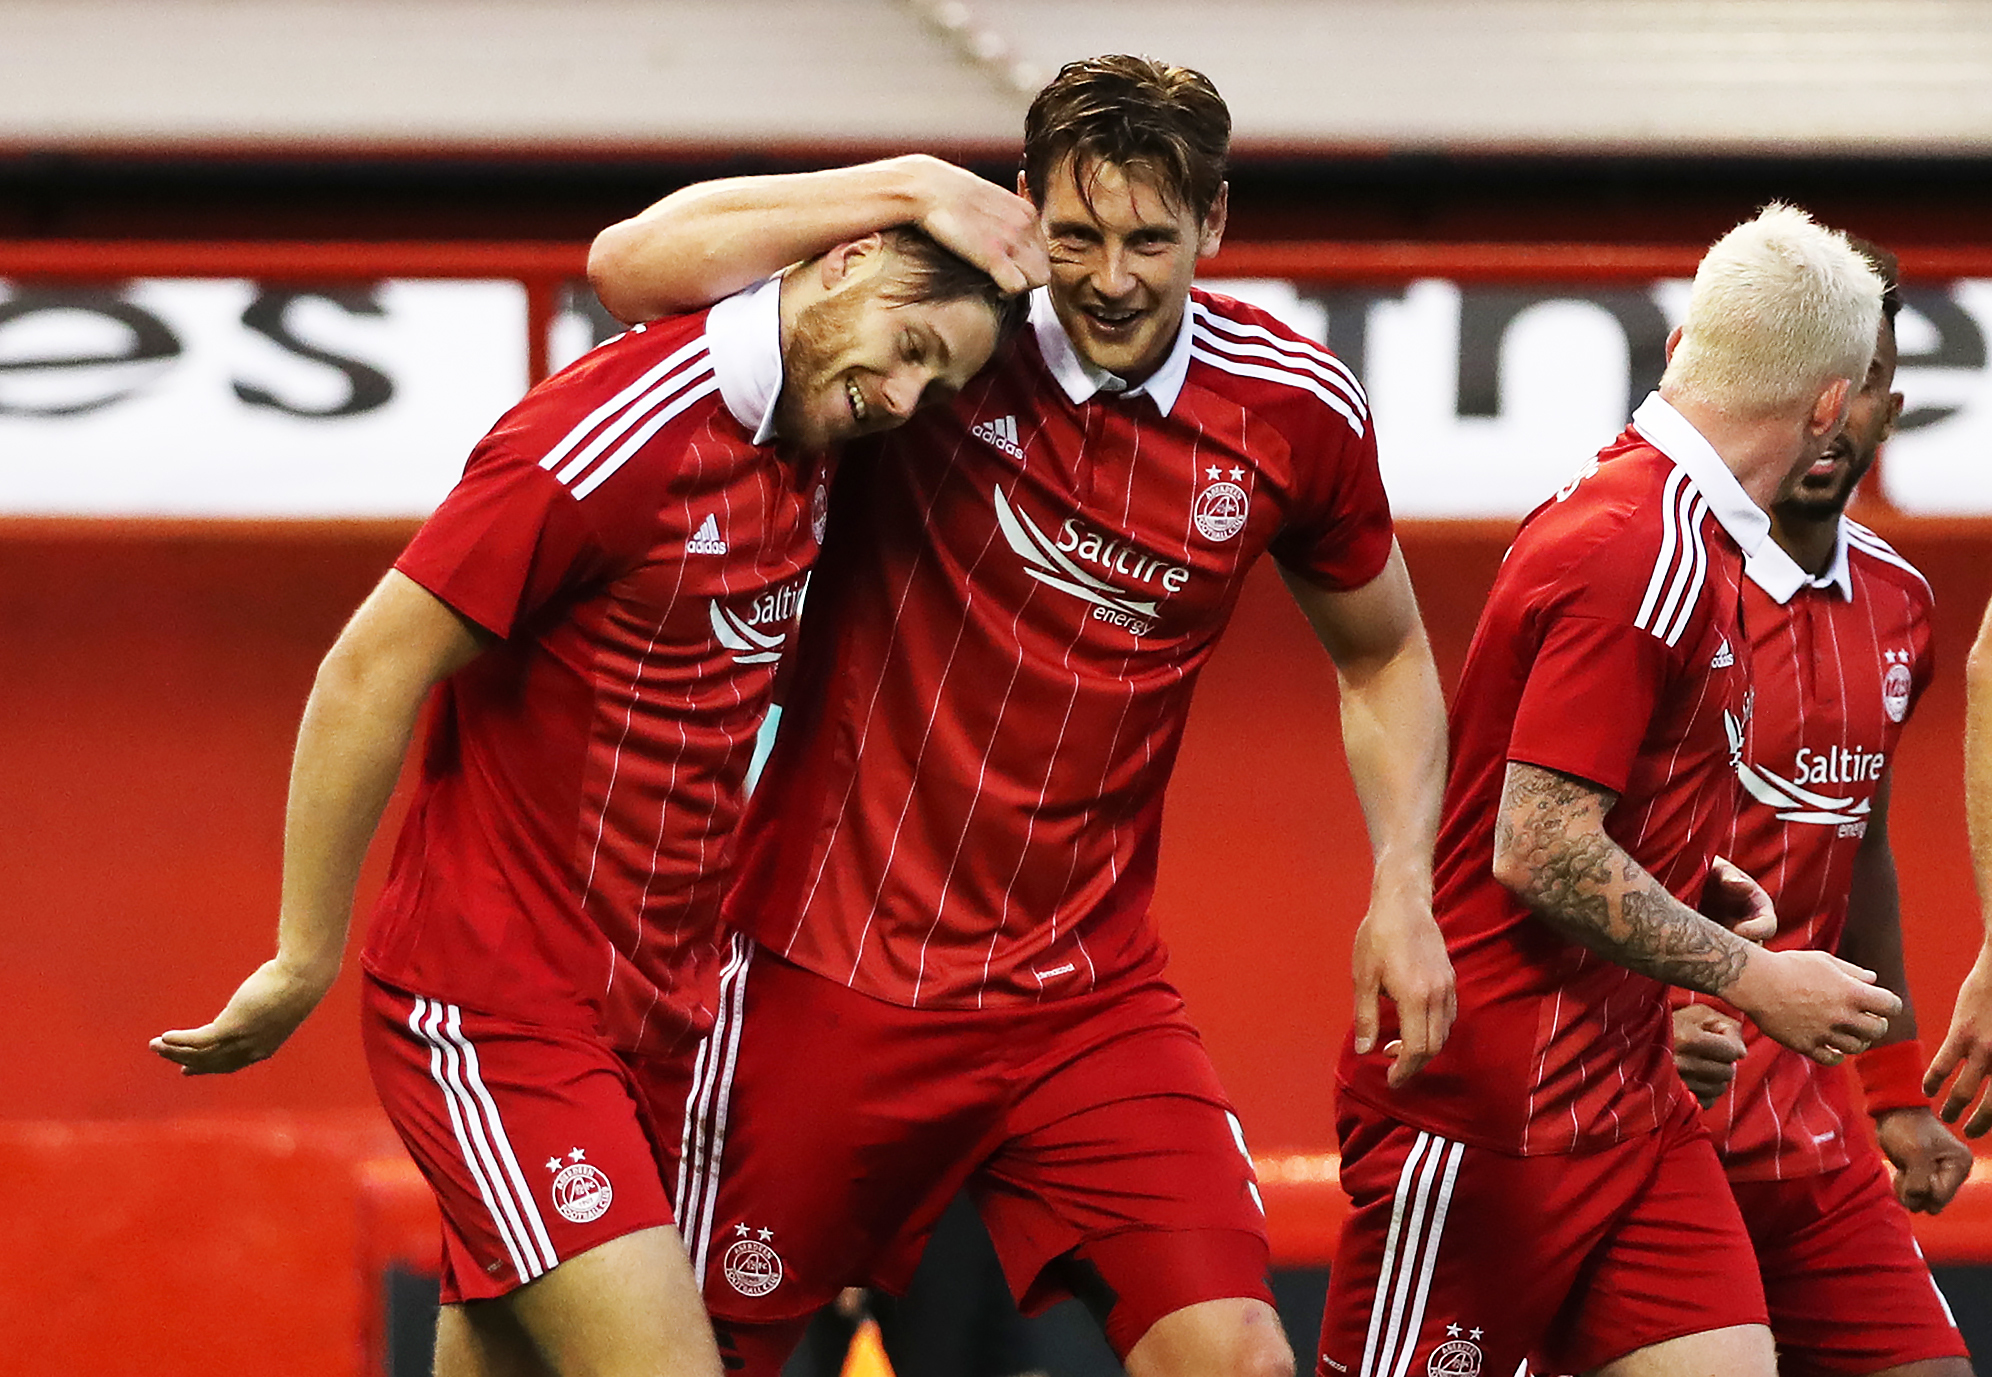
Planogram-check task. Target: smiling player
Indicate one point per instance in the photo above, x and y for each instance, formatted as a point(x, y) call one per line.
point(601, 601)
point(954, 976)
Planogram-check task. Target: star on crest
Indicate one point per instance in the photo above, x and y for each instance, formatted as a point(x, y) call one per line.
point(1237, 474)
point(1475, 1334)
point(553, 1164)
point(764, 1234)
point(741, 1230)
point(1212, 471)
point(1452, 1331)
point(577, 1155)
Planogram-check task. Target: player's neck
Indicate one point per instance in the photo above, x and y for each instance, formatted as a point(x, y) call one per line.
point(1760, 451)
point(1809, 540)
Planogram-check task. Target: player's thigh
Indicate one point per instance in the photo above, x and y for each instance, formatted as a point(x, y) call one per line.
point(1123, 1179)
point(826, 1131)
point(1735, 1351)
point(1676, 1263)
point(1214, 1338)
point(1848, 1290)
point(483, 1339)
point(535, 1141)
point(627, 1308)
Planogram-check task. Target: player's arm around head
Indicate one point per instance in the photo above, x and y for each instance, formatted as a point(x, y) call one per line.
point(708, 241)
point(1551, 850)
point(357, 723)
point(1394, 735)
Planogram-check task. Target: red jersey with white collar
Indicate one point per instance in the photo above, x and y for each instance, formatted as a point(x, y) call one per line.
point(640, 552)
point(1610, 649)
point(964, 805)
point(1839, 663)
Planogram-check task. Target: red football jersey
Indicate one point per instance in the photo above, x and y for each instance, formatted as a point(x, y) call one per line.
point(642, 558)
point(1609, 649)
point(963, 807)
point(1838, 663)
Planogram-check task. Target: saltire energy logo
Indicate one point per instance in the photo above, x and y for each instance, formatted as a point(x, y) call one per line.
point(1061, 563)
point(1791, 800)
point(757, 638)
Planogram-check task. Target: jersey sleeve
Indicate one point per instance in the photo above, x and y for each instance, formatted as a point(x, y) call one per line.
point(1341, 532)
point(1590, 696)
point(508, 540)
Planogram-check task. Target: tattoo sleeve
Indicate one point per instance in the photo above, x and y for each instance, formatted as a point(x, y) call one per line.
point(1552, 851)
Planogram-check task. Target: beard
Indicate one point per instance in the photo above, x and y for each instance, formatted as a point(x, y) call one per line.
point(825, 332)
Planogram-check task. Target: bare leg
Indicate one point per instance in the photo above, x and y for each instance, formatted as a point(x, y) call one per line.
point(625, 1309)
point(1930, 1367)
point(1743, 1350)
point(1219, 1338)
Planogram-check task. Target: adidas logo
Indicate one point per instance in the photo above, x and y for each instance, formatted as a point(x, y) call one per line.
point(708, 540)
point(1002, 433)
point(1724, 657)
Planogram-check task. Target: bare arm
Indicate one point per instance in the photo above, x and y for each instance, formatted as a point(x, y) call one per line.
point(1551, 850)
point(1968, 1044)
point(707, 241)
point(1930, 1163)
point(357, 723)
point(1394, 735)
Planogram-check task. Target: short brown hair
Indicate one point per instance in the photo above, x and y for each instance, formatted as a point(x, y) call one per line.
point(1136, 113)
point(927, 271)
point(1888, 268)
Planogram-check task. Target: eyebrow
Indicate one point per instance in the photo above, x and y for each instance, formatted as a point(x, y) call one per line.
point(936, 342)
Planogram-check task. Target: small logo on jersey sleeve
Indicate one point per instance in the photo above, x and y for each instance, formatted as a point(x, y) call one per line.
point(580, 1192)
point(1002, 433)
point(1221, 508)
point(1895, 685)
point(750, 1266)
point(708, 540)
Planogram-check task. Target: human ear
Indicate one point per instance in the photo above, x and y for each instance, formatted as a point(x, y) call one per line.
point(1211, 234)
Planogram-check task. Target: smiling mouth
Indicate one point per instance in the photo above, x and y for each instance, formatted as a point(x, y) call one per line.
point(860, 411)
point(1108, 318)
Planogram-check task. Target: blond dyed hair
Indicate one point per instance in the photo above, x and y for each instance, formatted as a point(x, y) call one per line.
point(1782, 306)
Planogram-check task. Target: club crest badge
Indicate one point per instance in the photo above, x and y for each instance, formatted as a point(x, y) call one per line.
point(1895, 685)
point(580, 1191)
point(1455, 1358)
point(819, 512)
point(1222, 506)
point(751, 1267)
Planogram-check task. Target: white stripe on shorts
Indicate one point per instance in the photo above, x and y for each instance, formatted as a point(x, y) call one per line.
point(480, 1133)
point(1404, 1281)
point(704, 1140)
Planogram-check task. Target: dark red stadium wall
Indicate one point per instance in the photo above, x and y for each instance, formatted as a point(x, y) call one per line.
point(152, 681)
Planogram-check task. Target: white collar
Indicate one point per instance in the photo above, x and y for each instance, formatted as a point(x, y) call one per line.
point(744, 333)
point(1778, 574)
point(1081, 380)
point(1675, 436)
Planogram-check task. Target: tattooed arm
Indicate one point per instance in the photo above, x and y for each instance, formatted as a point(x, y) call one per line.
point(1552, 852)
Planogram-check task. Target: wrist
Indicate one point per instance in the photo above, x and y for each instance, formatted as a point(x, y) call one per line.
point(1892, 1077)
point(1750, 989)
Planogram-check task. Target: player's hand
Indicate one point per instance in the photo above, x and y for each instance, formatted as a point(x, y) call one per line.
point(1930, 1161)
point(1400, 953)
point(990, 226)
point(1707, 1046)
point(1738, 902)
point(1813, 1002)
point(265, 1009)
point(1967, 1050)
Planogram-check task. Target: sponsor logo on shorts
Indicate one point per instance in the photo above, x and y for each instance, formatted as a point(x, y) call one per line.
point(1456, 1357)
point(1221, 508)
point(751, 1267)
point(1895, 685)
point(580, 1192)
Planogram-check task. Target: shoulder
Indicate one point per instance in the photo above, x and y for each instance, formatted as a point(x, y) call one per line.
point(1269, 366)
point(1871, 557)
point(1627, 539)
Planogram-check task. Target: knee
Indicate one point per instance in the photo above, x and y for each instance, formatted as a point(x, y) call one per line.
point(1264, 1352)
point(1236, 1338)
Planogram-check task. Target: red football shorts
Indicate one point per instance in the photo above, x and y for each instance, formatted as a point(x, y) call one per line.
point(540, 1143)
point(1459, 1259)
point(828, 1131)
point(1848, 1289)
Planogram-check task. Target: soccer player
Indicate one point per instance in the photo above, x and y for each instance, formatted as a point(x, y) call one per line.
point(1545, 1186)
point(1967, 1047)
point(946, 871)
point(1840, 648)
point(602, 600)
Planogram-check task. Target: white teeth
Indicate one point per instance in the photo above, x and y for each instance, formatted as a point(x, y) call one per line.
point(857, 399)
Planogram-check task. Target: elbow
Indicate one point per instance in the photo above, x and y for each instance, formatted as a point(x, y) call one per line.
point(1512, 871)
point(609, 270)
